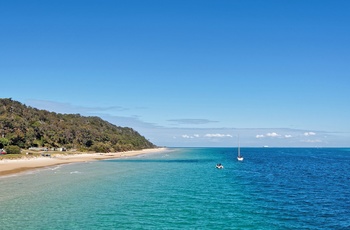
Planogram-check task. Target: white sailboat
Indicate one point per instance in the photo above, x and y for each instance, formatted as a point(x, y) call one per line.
point(239, 157)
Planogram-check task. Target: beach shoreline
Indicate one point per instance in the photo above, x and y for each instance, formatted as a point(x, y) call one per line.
point(15, 166)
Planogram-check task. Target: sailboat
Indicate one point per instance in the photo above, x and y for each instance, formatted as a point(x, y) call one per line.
point(239, 157)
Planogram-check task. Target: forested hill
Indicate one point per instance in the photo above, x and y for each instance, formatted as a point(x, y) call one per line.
point(26, 127)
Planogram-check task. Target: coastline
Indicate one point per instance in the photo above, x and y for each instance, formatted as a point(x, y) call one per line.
point(9, 167)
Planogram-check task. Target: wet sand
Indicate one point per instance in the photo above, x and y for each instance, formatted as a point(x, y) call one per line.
point(8, 167)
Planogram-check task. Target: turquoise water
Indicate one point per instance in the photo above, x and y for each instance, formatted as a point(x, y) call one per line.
point(273, 188)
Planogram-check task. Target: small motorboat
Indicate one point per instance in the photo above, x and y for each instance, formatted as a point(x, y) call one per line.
point(219, 166)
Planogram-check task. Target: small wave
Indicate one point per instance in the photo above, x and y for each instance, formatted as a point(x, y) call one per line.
point(56, 167)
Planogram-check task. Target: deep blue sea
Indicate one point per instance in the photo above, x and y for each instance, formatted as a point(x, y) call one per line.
point(273, 188)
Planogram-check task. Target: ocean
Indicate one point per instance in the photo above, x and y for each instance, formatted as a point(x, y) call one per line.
point(273, 188)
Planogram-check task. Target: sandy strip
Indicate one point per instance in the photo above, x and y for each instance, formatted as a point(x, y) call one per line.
point(8, 167)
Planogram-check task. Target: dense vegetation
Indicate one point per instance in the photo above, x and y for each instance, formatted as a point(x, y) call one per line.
point(25, 127)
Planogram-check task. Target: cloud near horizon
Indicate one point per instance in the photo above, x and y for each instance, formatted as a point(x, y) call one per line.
point(191, 121)
point(217, 135)
point(187, 136)
point(167, 135)
point(309, 134)
point(311, 141)
point(208, 135)
point(68, 108)
point(273, 134)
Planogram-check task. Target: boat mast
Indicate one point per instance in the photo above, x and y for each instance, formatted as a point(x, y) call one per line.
point(239, 151)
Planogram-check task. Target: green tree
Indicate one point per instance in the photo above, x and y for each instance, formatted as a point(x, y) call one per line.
point(12, 149)
point(4, 142)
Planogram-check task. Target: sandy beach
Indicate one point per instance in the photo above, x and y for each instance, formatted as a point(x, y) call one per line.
point(8, 167)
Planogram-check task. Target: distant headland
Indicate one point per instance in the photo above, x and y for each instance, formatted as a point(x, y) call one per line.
point(27, 127)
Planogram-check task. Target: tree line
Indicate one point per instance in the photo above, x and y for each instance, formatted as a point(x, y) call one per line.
point(26, 127)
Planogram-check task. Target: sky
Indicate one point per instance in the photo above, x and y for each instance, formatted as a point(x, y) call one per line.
point(186, 73)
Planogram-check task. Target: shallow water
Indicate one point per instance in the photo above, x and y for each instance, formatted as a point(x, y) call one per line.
point(273, 188)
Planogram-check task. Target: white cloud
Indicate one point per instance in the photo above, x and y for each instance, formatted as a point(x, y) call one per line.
point(191, 121)
point(217, 135)
point(190, 136)
point(60, 107)
point(309, 134)
point(272, 135)
point(312, 141)
point(186, 136)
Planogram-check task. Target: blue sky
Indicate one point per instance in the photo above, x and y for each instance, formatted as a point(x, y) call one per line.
point(186, 73)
